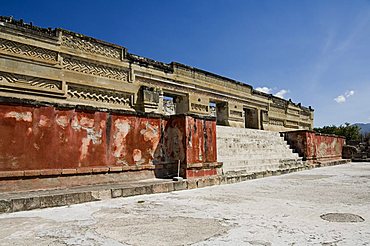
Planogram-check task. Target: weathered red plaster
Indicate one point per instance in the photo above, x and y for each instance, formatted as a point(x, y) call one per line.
point(49, 141)
point(201, 146)
point(315, 147)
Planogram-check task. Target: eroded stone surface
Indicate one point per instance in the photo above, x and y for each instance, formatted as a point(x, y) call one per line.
point(279, 210)
point(342, 217)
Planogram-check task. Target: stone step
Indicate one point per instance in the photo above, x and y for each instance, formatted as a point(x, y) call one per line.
point(243, 163)
point(233, 130)
point(259, 168)
point(252, 147)
point(277, 156)
point(252, 142)
point(276, 164)
point(249, 151)
point(246, 135)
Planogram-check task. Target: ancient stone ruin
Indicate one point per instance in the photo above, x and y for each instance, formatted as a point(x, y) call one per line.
point(72, 105)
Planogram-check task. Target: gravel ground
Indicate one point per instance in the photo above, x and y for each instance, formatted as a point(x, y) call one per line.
point(324, 206)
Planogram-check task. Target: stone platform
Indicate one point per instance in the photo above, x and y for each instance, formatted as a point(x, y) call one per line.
point(35, 199)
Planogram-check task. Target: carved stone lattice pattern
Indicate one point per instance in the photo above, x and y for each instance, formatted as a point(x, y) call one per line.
point(278, 110)
point(94, 69)
point(293, 111)
point(276, 122)
point(292, 122)
point(90, 47)
point(27, 50)
point(199, 107)
point(18, 79)
point(99, 95)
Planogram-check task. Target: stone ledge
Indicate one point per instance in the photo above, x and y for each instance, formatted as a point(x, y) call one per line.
point(55, 198)
point(72, 171)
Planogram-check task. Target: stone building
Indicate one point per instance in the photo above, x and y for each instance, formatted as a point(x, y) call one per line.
point(78, 111)
point(62, 67)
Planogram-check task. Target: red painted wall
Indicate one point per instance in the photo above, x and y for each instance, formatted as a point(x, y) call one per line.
point(50, 141)
point(316, 147)
point(201, 153)
point(201, 138)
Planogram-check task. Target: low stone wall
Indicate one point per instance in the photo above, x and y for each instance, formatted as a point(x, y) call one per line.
point(50, 141)
point(316, 147)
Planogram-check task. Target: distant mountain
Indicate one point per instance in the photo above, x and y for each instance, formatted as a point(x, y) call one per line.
point(365, 127)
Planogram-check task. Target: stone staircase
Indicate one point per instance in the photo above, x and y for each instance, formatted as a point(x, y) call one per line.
point(248, 151)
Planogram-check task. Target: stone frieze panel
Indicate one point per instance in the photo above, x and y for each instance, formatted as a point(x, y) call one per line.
point(199, 108)
point(95, 69)
point(99, 95)
point(28, 51)
point(89, 46)
point(29, 84)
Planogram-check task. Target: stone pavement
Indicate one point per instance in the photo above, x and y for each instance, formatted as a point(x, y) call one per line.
point(29, 194)
point(279, 210)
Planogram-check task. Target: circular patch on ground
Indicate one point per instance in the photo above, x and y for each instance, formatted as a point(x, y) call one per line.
point(156, 230)
point(342, 217)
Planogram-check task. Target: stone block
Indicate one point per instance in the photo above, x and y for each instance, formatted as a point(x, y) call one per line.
point(30, 173)
point(129, 191)
point(277, 172)
point(192, 184)
point(142, 190)
point(162, 187)
point(267, 174)
point(7, 174)
point(223, 180)
point(204, 182)
point(116, 193)
point(101, 194)
point(216, 180)
point(100, 169)
point(259, 175)
point(23, 204)
point(5, 206)
point(84, 170)
point(85, 197)
point(115, 169)
point(180, 185)
point(52, 201)
point(72, 198)
point(231, 180)
point(69, 171)
point(50, 172)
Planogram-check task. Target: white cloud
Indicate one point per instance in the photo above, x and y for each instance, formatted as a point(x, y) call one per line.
point(343, 98)
point(267, 90)
point(281, 93)
point(349, 93)
point(340, 99)
point(264, 89)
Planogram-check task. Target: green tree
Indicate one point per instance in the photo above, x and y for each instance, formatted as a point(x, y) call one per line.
point(350, 132)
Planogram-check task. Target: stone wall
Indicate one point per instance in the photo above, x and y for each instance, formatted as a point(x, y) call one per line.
point(46, 140)
point(316, 147)
point(63, 67)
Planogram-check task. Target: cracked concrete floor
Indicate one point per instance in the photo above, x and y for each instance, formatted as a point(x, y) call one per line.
point(280, 210)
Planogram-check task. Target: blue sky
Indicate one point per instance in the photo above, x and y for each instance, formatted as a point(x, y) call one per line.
point(314, 52)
